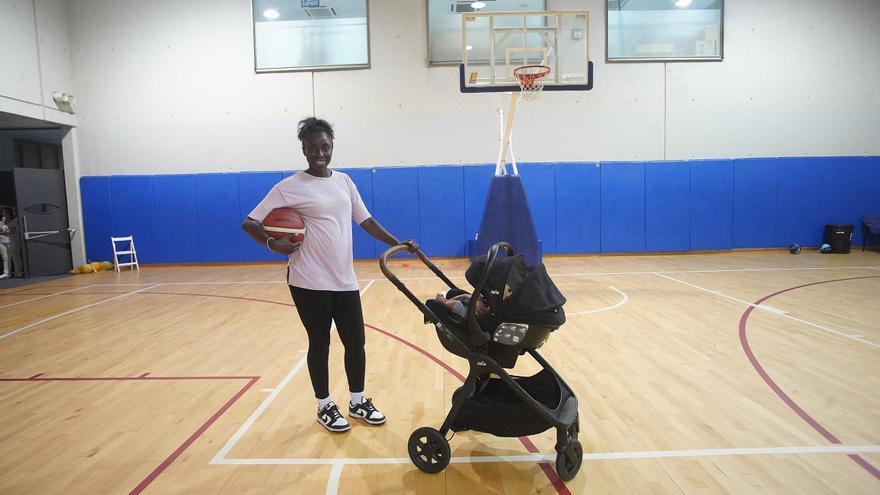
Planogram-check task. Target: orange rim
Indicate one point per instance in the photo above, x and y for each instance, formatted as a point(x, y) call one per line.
point(527, 77)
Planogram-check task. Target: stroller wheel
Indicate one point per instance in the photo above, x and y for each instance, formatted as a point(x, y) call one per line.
point(569, 462)
point(428, 450)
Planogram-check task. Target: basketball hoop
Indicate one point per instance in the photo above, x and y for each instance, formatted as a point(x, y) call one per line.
point(531, 80)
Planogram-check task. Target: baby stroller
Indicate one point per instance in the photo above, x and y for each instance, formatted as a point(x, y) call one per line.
point(527, 307)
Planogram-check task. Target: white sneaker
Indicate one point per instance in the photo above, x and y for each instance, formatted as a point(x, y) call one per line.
point(367, 412)
point(330, 418)
point(5, 275)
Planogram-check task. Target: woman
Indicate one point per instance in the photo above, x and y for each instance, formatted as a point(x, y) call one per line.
point(320, 269)
point(9, 244)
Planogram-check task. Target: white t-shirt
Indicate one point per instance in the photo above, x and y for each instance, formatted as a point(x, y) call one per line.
point(328, 205)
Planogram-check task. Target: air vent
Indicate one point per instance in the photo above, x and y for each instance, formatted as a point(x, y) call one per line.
point(321, 12)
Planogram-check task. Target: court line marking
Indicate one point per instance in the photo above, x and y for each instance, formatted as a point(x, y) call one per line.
point(242, 430)
point(587, 274)
point(768, 269)
point(623, 301)
point(335, 474)
point(44, 320)
point(239, 434)
point(45, 296)
point(594, 456)
point(776, 311)
point(759, 368)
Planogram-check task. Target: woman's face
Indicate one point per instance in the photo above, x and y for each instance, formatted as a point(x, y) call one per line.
point(318, 150)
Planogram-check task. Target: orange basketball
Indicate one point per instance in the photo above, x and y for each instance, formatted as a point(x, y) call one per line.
point(285, 222)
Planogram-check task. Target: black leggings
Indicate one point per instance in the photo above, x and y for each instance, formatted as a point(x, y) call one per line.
point(317, 309)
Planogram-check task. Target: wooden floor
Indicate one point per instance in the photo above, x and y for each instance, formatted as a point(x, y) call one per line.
point(747, 373)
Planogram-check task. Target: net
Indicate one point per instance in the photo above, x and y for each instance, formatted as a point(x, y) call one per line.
point(531, 80)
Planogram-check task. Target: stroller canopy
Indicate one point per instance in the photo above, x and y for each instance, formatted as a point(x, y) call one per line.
point(518, 293)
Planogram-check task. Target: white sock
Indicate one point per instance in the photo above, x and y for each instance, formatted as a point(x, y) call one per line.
point(323, 402)
point(357, 397)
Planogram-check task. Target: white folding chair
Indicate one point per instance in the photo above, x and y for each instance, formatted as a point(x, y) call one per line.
point(125, 249)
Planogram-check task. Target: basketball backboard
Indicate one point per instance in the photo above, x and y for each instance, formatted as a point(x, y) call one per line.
point(494, 44)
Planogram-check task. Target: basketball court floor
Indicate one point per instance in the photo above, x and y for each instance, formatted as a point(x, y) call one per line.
point(737, 372)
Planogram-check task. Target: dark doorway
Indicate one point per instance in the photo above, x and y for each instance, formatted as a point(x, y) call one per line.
point(32, 182)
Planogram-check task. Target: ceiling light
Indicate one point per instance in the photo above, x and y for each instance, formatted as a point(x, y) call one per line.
point(468, 47)
point(271, 14)
point(682, 3)
point(478, 5)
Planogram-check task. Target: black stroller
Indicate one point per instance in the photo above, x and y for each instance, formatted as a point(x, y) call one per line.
point(527, 307)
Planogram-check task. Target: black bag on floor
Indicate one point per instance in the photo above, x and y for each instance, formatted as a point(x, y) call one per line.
point(839, 237)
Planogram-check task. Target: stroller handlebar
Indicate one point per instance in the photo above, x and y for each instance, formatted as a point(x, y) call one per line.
point(399, 248)
point(383, 265)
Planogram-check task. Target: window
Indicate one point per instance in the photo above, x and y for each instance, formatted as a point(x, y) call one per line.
point(646, 30)
point(292, 35)
point(444, 23)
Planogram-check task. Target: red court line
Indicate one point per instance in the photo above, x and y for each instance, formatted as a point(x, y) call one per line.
point(743, 339)
point(189, 441)
point(40, 378)
point(192, 438)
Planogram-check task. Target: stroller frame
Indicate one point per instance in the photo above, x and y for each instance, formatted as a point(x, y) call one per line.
point(428, 448)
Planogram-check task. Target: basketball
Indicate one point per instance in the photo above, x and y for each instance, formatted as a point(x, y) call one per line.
point(285, 222)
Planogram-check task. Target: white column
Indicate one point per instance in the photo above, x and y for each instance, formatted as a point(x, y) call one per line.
point(70, 152)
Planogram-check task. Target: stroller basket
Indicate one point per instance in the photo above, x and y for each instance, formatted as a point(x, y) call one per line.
point(495, 409)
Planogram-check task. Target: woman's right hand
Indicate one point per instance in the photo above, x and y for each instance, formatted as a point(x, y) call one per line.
point(285, 246)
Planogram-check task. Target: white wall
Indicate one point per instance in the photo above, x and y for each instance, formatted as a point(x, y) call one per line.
point(169, 87)
point(35, 57)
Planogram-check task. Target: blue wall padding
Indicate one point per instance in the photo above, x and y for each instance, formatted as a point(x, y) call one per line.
point(476, 189)
point(849, 190)
point(507, 218)
point(711, 204)
point(96, 208)
point(175, 215)
point(798, 204)
point(441, 210)
point(252, 188)
point(363, 245)
point(219, 217)
point(540, 185)
point(133, 213)
point(872, 185)
point(623, 207)
point(396, 203)
point(667, 206)
point(754, 202)
point(578, 208)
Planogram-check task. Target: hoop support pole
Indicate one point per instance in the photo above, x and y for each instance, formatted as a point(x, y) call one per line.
point(507, 130)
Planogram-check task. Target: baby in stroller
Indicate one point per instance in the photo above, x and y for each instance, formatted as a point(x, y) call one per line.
point(456, 302)
point(517, 308)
